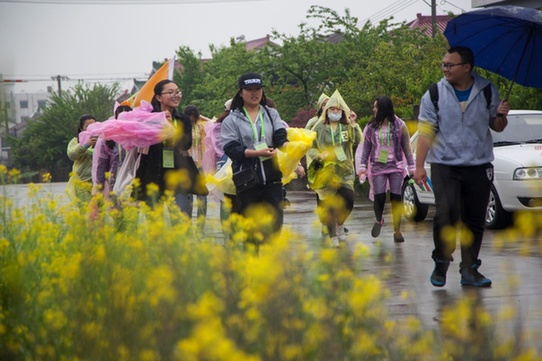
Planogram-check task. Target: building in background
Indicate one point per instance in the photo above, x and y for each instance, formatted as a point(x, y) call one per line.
point(425, 23)
point(15, 111)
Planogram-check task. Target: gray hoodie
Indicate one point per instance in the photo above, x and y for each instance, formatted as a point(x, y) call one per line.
point(237, 136)
point(462, 138)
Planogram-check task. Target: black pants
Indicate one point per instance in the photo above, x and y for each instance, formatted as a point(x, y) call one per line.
point(268, 195)
point(461, 197)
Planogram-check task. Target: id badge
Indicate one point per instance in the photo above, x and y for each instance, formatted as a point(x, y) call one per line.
point(383, 156)
point(167, 158)
point(261, 145)
point(344, 136)
point(340, 154)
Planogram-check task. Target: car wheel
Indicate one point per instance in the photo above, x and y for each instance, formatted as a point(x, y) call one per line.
point(413, 210)
point(496, 216)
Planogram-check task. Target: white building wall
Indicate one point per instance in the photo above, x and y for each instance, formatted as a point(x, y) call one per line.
point(16, 107)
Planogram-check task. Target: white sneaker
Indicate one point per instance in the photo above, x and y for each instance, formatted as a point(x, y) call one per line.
point(340, 233)
point(335, 242)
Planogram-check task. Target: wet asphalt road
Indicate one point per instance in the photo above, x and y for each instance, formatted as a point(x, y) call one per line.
point(517, 278)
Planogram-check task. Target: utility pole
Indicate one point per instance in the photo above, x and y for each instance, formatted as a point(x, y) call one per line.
point(58, 79)
point(433, 18)
point(3, 110)
point(3, 115)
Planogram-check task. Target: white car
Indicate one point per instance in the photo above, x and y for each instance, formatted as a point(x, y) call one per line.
point(517, 183)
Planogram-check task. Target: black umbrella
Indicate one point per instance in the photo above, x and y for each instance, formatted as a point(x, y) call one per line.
point(506, 40)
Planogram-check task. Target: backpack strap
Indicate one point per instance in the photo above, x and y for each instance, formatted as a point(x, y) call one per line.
point(487, 94)
point(433, 93)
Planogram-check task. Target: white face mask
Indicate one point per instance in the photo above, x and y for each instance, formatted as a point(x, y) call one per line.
point(334, 117)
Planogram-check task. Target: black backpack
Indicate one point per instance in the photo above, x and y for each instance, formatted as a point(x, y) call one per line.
point(433, 93)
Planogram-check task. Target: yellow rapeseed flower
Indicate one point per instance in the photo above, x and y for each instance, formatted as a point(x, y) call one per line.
point(4, 245)
point(14, 175)
point(149, 355)
point(55, 319)
point(92, 330)
point(46, 177)
point(328, 256)
point(152, 190)
point(159, 285)
point(99, 252)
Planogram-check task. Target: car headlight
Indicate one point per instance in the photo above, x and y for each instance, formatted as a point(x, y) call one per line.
point(528, 173)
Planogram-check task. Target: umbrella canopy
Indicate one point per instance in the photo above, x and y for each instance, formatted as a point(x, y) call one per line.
point(506, 40)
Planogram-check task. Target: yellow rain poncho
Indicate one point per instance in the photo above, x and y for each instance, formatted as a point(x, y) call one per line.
point(313, 120)
point(299, 142)
point(331, 172)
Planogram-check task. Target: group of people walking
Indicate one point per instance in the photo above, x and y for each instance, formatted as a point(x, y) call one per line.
point(454, 137)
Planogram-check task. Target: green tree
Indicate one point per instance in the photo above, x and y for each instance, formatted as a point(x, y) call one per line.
point(43, 144)
point(310, 63)
point(220, 74)
point(189, 76)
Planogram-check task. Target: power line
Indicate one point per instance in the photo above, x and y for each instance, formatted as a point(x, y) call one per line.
point(397, 9)
point(91, 78)
point(120, 2)
point(390, 10)
point(445, 2)
point(131, 74)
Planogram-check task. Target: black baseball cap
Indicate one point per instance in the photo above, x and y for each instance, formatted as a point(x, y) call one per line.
point(250, 80)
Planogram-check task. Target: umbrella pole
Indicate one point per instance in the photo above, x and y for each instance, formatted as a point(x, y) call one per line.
point(531, 32)
point(509, 90)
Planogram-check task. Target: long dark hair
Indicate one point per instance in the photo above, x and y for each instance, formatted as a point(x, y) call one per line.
point(192, 111)
point(384, 110)
point(237, 102)
point(158, 89)
point(121, 109)
point(222, 116)
point(82, 121)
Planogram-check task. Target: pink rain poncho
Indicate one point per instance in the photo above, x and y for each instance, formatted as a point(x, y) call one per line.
point(138, 128)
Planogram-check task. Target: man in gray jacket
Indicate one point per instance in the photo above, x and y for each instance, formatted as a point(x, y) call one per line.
point(455, 138)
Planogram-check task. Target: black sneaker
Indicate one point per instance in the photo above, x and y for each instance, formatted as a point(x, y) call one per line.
point(375, 232)
point(471, 277)
point(438, 277)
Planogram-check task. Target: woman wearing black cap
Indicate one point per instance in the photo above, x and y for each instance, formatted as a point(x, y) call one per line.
point(250, 135)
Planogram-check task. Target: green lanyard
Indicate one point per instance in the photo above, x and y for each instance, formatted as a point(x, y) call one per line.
point(333, 134)
point(262, 127)
point(195, 131)
point(389, 134)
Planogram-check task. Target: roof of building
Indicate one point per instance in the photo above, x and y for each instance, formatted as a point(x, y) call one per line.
point(424, 22)
point(334, 38)
point(259, 43)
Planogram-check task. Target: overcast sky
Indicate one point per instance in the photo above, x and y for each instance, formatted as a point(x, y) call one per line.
point(85, 39)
